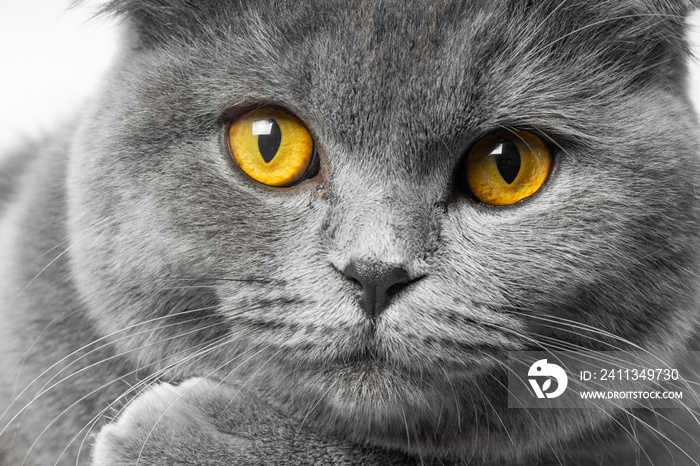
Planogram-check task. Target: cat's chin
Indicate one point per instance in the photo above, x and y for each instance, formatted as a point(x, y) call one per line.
point(374, 388)
point(446, 413)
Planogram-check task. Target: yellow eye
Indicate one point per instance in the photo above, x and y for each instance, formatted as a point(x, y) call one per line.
point(271, 146)
point(506, 167)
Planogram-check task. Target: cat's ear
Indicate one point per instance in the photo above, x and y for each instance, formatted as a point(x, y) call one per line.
point(161, 21)
point(659, 30)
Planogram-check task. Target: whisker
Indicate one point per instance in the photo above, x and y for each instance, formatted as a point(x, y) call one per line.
point(22, 360)
point(686, 408)
point(493, 409)
point(84, 347)
point(53, 261)
point(242, 386)
point(71, 407)
point(150, 432)
point(7, 277)
point(142, 385)
point(308, 413)
point(148, 345)
point(534, 421)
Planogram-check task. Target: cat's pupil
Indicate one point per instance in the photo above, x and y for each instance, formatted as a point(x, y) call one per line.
point(507, 160)
point(269, 142)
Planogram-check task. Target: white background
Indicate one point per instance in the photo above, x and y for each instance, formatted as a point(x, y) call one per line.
point(51, 58)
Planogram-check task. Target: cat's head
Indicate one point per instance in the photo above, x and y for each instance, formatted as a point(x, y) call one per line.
point(380, 292)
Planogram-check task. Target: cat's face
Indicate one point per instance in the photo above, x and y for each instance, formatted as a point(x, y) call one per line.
point(214, 273)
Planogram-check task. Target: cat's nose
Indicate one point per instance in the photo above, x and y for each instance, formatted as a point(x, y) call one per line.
point(379, 283)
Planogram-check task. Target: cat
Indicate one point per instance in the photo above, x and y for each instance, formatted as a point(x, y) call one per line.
point(349, 293)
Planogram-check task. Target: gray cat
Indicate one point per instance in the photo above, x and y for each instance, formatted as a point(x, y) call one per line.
point(310, 233)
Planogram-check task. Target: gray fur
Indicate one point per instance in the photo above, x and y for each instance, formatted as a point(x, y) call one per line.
point(137, 254)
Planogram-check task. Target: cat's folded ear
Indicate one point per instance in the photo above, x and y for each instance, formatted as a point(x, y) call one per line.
point(647, 40)
point(160, 21)
point(668, 17)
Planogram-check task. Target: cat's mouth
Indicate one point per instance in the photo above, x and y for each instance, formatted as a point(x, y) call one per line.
point(375, 353)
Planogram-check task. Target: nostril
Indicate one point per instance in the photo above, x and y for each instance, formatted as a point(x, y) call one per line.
point(395, 289)
point(395, 279)
point(353, 275)
point(353, 280)
point(379, 282)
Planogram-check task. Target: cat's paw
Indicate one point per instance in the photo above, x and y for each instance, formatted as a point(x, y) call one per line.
point(169, 425)
point(200, 422)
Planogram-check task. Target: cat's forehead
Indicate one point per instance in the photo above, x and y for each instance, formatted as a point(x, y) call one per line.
point(411, 71)
point(391, 65)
